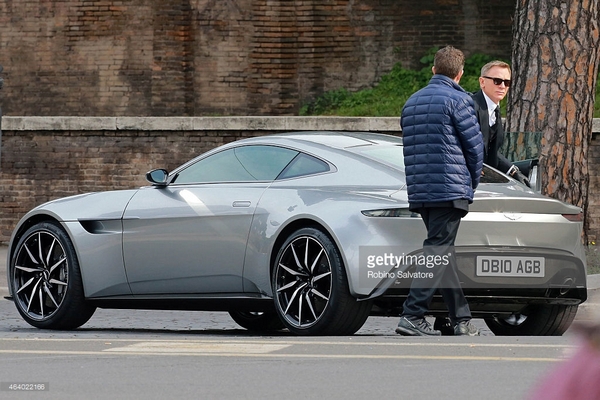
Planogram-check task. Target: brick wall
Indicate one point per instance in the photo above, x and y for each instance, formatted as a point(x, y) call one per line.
point(47, 158)
point(233, 57)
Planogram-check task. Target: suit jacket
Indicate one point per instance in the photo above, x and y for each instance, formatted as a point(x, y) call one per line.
point(491, 148)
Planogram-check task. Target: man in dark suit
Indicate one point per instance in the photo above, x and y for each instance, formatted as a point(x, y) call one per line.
point(494, 83)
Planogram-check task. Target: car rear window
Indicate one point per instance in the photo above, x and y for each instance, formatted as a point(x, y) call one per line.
point(388, 154)
point(304, 165)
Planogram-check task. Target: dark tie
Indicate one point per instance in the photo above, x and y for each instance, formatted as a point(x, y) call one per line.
point(497, 114)
point(494, 128)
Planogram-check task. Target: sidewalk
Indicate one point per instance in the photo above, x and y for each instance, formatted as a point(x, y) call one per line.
point(588, 311)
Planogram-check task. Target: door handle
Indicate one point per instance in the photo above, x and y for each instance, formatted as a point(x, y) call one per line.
point(241, 203)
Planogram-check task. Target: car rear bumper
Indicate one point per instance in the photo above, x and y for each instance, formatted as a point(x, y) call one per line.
point(563, 282)
point(487, 303)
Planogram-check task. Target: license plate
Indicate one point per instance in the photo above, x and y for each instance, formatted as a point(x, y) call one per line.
point(529, 267)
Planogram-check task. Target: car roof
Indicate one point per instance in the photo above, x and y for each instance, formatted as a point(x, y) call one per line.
point(333, 139)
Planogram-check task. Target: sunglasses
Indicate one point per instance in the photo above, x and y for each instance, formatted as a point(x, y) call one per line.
point(498, 81)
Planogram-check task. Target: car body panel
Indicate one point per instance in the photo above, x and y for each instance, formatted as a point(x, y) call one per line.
point(188, 238)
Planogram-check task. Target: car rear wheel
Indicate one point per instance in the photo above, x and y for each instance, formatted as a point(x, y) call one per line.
point(311, 288)
point(257, 321)
point(46, 280)
point(535, 320)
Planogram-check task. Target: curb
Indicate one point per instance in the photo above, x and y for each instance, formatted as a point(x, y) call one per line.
point(593, 282)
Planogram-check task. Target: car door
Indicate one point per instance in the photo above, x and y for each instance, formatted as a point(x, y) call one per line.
point(190, 236)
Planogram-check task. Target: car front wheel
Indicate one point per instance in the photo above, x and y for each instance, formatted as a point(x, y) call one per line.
point(311, 288)
point(46, 281)
point(535, 320)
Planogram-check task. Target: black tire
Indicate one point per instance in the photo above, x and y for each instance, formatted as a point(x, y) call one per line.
point(46, 281)
point(444, 325)
point(257, 321)
point(535, 320)
point(310, 287)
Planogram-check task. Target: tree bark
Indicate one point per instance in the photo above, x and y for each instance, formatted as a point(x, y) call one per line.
point(555, 65)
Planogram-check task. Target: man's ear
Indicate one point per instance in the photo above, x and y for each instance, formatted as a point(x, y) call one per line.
point(460, 74)
point(433, 70)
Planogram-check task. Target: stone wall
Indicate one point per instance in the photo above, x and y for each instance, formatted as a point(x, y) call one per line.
point(222, 57)
point(44, 158)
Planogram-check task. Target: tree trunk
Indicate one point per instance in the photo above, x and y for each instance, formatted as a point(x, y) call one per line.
point(555, 65)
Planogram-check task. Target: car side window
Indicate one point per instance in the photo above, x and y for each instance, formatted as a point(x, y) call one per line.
point(303, 165)
point(239, 164)
point(492, 176)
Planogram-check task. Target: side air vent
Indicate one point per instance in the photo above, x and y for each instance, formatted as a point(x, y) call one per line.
point(101, 227)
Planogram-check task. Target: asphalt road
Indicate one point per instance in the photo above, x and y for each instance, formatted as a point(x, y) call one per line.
point(100, 364)
point(177, 354)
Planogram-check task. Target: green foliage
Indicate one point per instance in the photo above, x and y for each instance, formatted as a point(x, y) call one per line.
point(387, 98)
point(392, 91)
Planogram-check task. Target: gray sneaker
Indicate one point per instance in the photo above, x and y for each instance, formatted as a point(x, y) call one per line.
point(465, 328)
point(414, 326)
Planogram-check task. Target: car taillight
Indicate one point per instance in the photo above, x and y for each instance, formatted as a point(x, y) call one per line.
point(390, 212)
point(574, 217)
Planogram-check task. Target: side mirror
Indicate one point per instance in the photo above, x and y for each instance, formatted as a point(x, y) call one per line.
point(530, 169)
point(157, 177)
point(534, 179)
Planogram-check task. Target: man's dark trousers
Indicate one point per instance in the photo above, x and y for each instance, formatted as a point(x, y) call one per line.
point(442, 226)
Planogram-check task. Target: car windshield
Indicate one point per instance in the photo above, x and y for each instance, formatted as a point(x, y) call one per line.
point(492, 176)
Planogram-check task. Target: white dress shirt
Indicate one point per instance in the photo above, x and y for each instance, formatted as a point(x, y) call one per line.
point(491, 108)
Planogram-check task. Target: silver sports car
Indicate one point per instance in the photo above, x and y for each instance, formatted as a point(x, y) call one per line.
point(308, 232)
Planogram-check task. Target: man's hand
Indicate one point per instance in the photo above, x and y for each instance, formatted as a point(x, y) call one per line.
point(518, 175)
point(515, 173)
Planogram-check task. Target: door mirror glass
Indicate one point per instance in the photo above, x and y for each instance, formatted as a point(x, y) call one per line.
point(157, 177)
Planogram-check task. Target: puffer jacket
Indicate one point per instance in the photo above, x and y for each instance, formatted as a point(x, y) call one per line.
point(443, 145)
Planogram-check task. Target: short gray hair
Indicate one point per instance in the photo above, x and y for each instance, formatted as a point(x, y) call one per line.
point(496, 63)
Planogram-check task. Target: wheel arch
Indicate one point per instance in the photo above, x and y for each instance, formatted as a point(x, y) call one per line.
point(294, 226)
point(18, 233)
point(24, 225)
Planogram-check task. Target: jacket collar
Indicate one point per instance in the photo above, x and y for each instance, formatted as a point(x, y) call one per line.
point(444, 80)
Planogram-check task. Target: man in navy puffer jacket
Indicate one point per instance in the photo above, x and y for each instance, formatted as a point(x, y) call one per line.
point(443, 155)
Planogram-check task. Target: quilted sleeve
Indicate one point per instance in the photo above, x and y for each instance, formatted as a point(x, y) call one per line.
point(471, 139)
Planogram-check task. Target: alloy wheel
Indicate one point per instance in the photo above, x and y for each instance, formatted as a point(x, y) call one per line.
point(303, 281)
point(40, 275)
